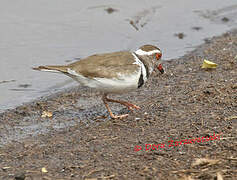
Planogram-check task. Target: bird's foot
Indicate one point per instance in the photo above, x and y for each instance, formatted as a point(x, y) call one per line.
point(131, 106)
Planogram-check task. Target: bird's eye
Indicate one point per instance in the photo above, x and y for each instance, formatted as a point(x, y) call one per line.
point(158, 55)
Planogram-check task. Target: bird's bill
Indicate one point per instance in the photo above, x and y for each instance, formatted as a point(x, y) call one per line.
point(160, 68)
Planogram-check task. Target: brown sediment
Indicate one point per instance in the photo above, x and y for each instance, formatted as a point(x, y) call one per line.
point(184, 103)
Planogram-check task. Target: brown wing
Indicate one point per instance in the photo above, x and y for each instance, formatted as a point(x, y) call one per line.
point(109, 65)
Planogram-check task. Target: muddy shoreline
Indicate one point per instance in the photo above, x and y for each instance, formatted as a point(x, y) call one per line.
point(80, 141)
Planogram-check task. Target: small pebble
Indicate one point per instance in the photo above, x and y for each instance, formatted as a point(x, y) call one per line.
point(180, 35)
point(225, 19)
point(110, 10)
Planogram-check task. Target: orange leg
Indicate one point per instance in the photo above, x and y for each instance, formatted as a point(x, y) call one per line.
point(127, 104)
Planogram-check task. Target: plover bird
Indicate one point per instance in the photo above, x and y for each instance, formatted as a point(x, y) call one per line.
point(113, 73)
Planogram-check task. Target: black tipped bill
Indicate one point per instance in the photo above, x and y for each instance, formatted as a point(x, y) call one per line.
point(160, 68)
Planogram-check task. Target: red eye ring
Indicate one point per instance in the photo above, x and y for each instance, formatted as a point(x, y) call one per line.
point(158, 55)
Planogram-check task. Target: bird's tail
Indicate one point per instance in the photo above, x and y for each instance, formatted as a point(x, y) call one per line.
point(62, 69)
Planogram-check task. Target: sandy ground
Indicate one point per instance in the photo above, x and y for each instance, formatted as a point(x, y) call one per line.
point(186, 129)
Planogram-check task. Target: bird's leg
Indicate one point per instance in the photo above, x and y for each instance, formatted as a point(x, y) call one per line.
point(127, 104)
point(104, 98)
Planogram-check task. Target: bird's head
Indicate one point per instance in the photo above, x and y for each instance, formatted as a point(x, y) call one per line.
point(153, 53)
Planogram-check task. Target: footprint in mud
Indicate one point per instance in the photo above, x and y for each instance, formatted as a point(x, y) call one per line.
point(23, 87)
point(142, 18)
point(7, 81)
point(197, 28)
point(224, 15)
point(107, 8)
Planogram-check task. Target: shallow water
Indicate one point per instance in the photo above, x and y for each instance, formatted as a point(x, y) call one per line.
point(41, 32)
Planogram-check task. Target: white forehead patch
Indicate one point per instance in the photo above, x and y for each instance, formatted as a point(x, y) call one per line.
point(141, 52)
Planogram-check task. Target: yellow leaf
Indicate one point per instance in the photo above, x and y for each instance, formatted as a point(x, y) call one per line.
point(44, 170)
point(219, 176)
point(5, 168)
point(204, 161)
point(46, 114)
point(231, 117)
point(208, 64)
